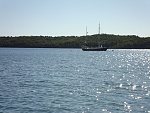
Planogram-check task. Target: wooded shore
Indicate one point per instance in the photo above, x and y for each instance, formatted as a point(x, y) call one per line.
point(109, 40)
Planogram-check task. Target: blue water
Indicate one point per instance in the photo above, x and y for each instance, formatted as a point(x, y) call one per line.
point(40, 80)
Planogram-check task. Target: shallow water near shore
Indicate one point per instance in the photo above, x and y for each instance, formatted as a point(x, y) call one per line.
point(46, 80)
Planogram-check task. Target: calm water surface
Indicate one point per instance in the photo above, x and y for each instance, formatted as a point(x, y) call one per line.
point(74, 81)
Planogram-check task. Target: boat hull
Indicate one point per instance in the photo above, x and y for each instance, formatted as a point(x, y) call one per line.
point(95, 49)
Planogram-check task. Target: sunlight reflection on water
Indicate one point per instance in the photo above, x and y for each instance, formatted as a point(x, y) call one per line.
point(70, 80)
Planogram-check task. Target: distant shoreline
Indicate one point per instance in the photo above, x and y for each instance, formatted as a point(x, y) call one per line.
point(108, 40)
point(70, 48)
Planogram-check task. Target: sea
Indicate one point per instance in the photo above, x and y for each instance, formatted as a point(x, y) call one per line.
point(59, 80)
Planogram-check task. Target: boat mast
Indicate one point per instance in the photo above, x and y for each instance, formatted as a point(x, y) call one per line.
point(86, 31)
point(99, 36)
point(86, 35)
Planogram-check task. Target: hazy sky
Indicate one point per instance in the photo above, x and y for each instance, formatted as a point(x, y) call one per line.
point(70, 17)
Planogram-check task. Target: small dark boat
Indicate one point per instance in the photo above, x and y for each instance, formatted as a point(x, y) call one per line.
point(99, 48)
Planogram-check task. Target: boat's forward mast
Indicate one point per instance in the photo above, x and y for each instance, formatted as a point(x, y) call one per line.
point(99, 36)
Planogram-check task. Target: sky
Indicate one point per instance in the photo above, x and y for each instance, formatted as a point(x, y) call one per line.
point(71, 17)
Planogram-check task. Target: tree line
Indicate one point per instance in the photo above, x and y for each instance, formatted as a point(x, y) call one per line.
point(109, 40)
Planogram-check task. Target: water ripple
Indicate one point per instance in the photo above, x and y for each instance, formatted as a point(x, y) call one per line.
point(65, 80)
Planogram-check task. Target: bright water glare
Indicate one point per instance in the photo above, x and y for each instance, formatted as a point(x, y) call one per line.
point(40, 80)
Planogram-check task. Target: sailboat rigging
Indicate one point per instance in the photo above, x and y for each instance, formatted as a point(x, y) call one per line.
point(99, 48)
